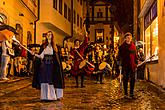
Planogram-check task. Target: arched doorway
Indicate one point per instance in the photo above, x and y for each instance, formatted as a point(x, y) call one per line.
point(19, 30)
point(29, 38)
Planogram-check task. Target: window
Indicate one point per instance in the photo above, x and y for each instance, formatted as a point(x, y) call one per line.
point(69, 14)
point(78, 20)
point(99, 14)
point(147, 42)
point(65, 10)
point(151, 33)
point(55, 4)
point(80, 2)
point(154, 30)
point(74, 17)
point(60, 6)
point(147, 20)
point(151, 40)
point(99, 35)
point(154, 11)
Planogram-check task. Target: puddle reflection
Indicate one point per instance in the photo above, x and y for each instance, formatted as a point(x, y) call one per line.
point(52, 106)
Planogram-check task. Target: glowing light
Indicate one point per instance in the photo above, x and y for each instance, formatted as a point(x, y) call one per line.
point(105, 46)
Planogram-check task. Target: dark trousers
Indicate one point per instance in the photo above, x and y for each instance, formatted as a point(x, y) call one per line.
point(99, 77)
point(140, 72)
point(82, 80)
point(128, 74)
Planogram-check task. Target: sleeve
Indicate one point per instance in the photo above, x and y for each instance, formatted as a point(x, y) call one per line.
point(40, 55)
point(84, 45)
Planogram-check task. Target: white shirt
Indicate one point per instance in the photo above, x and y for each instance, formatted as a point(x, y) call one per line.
point(48, 50)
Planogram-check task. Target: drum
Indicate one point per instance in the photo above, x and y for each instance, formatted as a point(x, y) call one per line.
point(63, 65)
point(68, 67)
point(105, 66)
point(82, 64)
point(85, 66)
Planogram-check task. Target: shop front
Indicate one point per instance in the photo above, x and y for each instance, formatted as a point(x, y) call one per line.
point(152, 36)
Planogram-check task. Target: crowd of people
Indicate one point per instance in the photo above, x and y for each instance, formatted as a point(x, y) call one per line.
point(53, 63)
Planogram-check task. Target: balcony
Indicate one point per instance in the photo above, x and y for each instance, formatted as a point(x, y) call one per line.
point(104, 20)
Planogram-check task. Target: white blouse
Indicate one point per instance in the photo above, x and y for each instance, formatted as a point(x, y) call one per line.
point(48, 51)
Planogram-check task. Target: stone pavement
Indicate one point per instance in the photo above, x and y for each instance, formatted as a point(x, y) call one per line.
point(94, 96)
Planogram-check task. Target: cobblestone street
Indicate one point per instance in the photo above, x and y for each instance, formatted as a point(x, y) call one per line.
point(94, 96)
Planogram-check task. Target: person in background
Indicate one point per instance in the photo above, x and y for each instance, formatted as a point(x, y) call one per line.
point(140, 69)
point(6, 32)
point(97, 61)
point(50, 75)
point(127, 60)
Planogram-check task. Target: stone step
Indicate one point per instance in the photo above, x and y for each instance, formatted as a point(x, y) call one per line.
point(13, 86)
point(12, 79)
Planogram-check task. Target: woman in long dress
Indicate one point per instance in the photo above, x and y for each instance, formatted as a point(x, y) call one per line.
point(50, 76)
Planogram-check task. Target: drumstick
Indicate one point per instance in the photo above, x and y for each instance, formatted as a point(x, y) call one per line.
point(85, 60)
point(90, 64)
point(79, 55)
point(146, 60)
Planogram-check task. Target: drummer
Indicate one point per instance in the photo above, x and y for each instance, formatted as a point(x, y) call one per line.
point(97, 61)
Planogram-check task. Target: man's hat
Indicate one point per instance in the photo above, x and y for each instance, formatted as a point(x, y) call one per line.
point(127, 34)
point(9, 28)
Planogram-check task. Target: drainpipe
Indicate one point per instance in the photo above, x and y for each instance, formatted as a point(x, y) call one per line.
point(36, 21)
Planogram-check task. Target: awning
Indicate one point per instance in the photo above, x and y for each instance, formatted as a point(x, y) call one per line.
point(145, 8)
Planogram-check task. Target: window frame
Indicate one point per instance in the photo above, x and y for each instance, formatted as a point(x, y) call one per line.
point(78, 21)
point(60, 6)
point(65, 10)
point(55, 4)
point(69, 13)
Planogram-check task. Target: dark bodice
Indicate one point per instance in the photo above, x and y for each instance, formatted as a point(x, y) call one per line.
point(48, 59)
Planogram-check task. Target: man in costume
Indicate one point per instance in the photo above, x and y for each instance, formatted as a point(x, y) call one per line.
point(77, 55)
point(128, 62)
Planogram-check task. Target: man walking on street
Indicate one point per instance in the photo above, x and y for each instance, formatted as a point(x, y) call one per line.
point(128, 61)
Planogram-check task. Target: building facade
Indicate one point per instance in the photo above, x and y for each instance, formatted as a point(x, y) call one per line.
point(103, 28)
point(20, 14)
point(63, 17)
point(149, 21)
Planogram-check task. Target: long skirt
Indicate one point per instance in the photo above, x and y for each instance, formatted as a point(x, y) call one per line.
point(48, 92)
